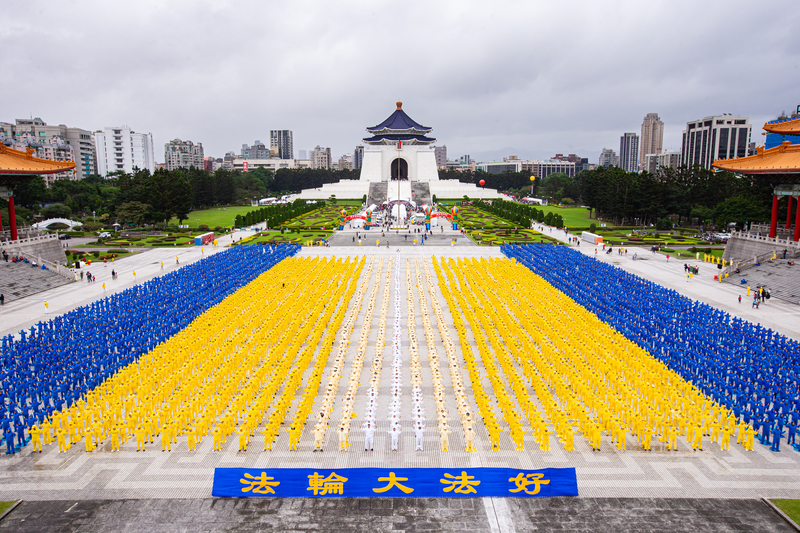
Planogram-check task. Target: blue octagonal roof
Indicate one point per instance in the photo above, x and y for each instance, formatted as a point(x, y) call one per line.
point(399, 121)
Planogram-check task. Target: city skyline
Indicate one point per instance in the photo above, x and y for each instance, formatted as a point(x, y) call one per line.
point(531, 113)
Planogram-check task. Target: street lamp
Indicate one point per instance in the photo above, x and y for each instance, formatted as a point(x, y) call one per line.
point(533, 178)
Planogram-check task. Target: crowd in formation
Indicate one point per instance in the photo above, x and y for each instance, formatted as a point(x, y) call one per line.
point(585, 377)
point(49, 369)
point(556, 345)
point(750, 372)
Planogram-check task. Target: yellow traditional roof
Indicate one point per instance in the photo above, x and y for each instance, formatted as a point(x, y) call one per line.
point(18, 162)
point(783, 159)
point(789, 126)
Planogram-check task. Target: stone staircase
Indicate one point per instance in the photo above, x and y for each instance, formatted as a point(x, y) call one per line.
point(782, 280)
point(377, 193)
point(421, 192)
point(18, 280)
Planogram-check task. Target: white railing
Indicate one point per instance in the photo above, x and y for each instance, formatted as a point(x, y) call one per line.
point(58, 269)
point(28, 240)
point(787, 243)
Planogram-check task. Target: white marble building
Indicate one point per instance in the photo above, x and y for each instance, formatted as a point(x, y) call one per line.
point(399, 163)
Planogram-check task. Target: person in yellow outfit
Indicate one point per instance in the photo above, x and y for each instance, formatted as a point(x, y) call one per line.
point(36, 438)
point(139, 431)
point(166, 440)
point(219, 439)
point(726, 439)
point(115, 438)
point(63, 443)
point(192, 438)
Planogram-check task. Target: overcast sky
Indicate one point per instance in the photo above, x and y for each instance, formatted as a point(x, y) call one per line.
point(492, 78)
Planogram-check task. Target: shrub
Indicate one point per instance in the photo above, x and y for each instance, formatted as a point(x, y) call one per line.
point(592, 227)
point(663, 225)
point(218, 229)
point(203, 227)
point(96, 254)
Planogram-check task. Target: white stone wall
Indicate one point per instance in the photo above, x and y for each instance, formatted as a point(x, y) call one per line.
point(377, 165)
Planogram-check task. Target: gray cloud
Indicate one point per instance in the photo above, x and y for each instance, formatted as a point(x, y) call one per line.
point(530, 78)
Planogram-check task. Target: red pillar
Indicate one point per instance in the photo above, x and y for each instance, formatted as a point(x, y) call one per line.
point(789, 213)
point(773, 224)
point(12, 218)
point(797, 221)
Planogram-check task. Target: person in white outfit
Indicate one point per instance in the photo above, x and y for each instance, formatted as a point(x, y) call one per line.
point(369, 433)
point(395, 433)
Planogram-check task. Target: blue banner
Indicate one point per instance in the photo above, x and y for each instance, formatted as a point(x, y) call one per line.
point(394, 482)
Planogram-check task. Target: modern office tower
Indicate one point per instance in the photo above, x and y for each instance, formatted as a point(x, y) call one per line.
point(119, 148)
point(358, 157)
point(282, 140)
point(183, 154)
point(716, 137)
point(629, 152)
point(652, 139)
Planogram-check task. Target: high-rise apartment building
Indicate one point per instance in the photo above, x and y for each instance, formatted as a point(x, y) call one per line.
point(282, 140)
point(667, 158)
point(581, 163)
point(715, 137)
point(119, 148)
point(321, 157)
point(80, 140)
point(652, 139)
point(358, 157)
point(183, 154)
point(629, 152)
point(441, 156)
point(608, 158)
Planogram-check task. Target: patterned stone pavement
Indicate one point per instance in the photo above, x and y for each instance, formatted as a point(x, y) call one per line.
point(352, 515)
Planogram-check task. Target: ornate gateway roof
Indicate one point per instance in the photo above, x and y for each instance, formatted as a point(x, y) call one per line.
point(783, 159)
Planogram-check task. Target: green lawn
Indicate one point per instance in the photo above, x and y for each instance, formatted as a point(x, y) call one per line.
point(275, 237)
point(497, 237)
point(4, 506)
point(573, 216)
point(216, 216)
point(790, 507)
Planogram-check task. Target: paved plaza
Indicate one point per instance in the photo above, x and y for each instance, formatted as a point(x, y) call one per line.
point(710, 490)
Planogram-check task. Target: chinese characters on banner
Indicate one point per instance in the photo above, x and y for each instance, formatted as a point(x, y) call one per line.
point(397, 482)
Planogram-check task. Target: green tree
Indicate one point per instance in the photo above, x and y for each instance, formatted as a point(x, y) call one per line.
point(56, 211)
point(742, 210)
point(31, 192)
point(133, 212)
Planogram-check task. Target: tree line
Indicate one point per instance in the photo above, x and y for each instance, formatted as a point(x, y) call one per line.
point(687, 193)
point(140, 197)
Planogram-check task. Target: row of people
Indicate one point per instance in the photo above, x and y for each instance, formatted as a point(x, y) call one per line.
point(396, 378)
point(369, 425)
point(345, 331)
point(418, 419)
point(357, 364)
